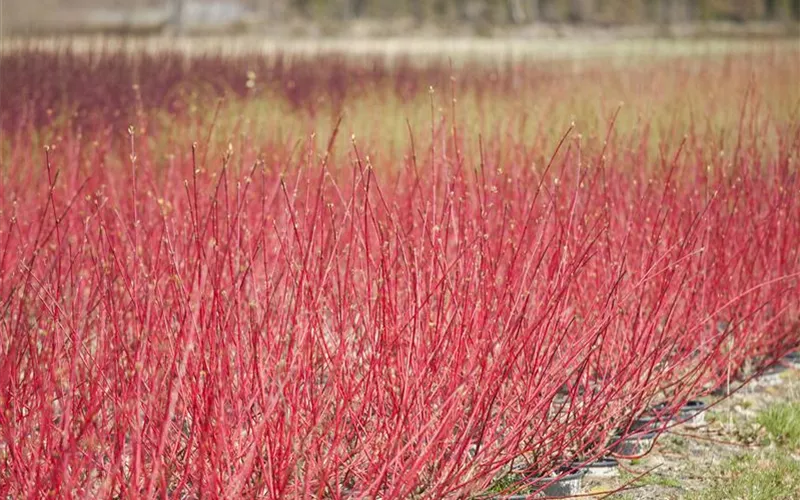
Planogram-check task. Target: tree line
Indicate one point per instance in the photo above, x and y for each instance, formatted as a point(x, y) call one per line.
point(603, 12)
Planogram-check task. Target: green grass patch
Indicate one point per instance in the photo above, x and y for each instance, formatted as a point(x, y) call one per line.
point(654, 479)
point(755, 477)
point(651, 479)
point(674, 444)
point(504, 484)
point(782, 423)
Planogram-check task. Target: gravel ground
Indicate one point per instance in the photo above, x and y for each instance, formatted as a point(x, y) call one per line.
point(684, 460)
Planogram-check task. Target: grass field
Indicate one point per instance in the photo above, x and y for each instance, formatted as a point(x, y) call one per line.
point(381, 271)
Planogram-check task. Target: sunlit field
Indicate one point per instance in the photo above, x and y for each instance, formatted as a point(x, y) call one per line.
point(269, 272)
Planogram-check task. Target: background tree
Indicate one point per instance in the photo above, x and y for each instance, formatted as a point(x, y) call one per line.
point(481, 14)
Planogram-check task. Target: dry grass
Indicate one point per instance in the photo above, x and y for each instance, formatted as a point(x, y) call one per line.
point(460, 49)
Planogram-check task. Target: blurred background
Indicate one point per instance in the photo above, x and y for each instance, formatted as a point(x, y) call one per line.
point(394, 18)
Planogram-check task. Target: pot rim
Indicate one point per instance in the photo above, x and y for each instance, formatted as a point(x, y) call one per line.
point(774, 369)
point(575, 474)
point(694, 404)
point(691, 404)
point(600, 463)
point(637, 436)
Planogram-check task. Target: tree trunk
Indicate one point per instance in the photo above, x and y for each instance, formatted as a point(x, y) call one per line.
point(417, 11)
point(177, 15)
point(352, 9)
point(535, 10)
point(770, 9)
point(580, 11)
point(516, 12)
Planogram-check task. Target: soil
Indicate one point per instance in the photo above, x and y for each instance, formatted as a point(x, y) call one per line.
point(684, 460)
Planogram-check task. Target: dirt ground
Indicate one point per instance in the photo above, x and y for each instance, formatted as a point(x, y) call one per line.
point(684, 461)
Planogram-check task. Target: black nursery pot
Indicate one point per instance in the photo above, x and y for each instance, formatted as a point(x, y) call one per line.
point(771, 376)
point(567, 485)
point(726, 389)
point(793, 359)
point(602, 467)
point(646, 423)
point(634, 445)
point(692, 414)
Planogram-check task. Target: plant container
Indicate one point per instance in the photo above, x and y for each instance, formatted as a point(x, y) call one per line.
point(771, 376)
point(792, 359)
point(692, 414)
point(567, 485)
point(648, 422)
point(602, 467)
point(634, 445)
